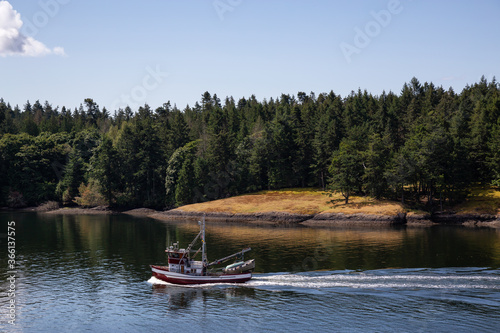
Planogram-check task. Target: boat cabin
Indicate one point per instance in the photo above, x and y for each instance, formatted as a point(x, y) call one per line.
point(179, 261)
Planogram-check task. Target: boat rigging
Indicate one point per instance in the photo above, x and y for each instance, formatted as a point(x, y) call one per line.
point(183, 269)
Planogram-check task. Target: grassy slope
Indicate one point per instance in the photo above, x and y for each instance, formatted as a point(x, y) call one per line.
point(296, 201)
point(312, 201)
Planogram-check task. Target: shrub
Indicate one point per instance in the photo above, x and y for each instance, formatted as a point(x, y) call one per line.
point(49, 205)
point(90, 195)
point(16, 200)
point(66, 197)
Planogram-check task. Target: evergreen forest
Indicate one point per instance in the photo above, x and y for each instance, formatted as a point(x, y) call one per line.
point(423, 146)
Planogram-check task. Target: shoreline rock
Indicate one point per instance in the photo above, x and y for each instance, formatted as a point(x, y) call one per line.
point(357, 219)
point(419, 220)
point(277, 218)
point(104, 210)
point(140, 212)
point(453, 218)
point(290, 219)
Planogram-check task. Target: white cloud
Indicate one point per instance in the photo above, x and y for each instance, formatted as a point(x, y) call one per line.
point(13, 42)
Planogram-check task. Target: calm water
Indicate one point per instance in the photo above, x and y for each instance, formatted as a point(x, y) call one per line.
point(91, 274)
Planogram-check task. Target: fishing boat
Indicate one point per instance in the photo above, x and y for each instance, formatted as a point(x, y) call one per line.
point(183, 269)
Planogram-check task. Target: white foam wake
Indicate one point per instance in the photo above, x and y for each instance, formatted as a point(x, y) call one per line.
point(156, 281)
point(364, 280)
point(368, 279)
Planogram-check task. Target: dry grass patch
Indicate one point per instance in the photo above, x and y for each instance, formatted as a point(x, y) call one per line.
point(482, 200)
point(295, 201)
point(364, 205)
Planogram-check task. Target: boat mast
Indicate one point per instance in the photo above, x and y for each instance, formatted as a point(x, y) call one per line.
point(203, 244)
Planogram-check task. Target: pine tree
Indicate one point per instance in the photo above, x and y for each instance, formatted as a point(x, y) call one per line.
point(74, 175)
point(104, 165)
point(185, 184)
point(494, 158)
point(175, 164)
point(179, 135)
point(219, 153)
point(346, 169)
point(375, 162)
point(282, 151)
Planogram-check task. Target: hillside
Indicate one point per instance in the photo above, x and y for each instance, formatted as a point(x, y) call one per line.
point(315, 207)
point(295, 201)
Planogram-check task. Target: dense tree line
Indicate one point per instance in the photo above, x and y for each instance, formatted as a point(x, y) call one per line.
point(423, 145)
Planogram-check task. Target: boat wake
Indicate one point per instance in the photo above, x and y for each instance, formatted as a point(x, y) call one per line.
point(158, 282)
point(450, 278)
point(445, 278)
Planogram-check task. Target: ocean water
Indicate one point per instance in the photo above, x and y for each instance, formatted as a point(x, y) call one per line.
point(91, 274)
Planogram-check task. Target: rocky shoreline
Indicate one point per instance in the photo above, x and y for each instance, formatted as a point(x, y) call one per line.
point(291, 219)
point(276, 218)
point(358, 219)
point(337, 219)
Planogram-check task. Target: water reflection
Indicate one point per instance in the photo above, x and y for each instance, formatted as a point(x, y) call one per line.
point(125, 246)
point(305, 249)
point(179, 298)
point(90, 273)
point(183, 297)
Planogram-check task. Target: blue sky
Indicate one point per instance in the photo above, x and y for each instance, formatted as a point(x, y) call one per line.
point(136, 52)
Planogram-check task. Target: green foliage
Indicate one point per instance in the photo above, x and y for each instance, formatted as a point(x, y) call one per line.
point(142, 160)
point(494, 156)
point(219, 151)
point(182, 158)
point(104, 165)
point(185, 184)
point(347, 169)
point(281, 151)
point(74, 175)
point(376, 158)
point(425, 146)
point(31, 164)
